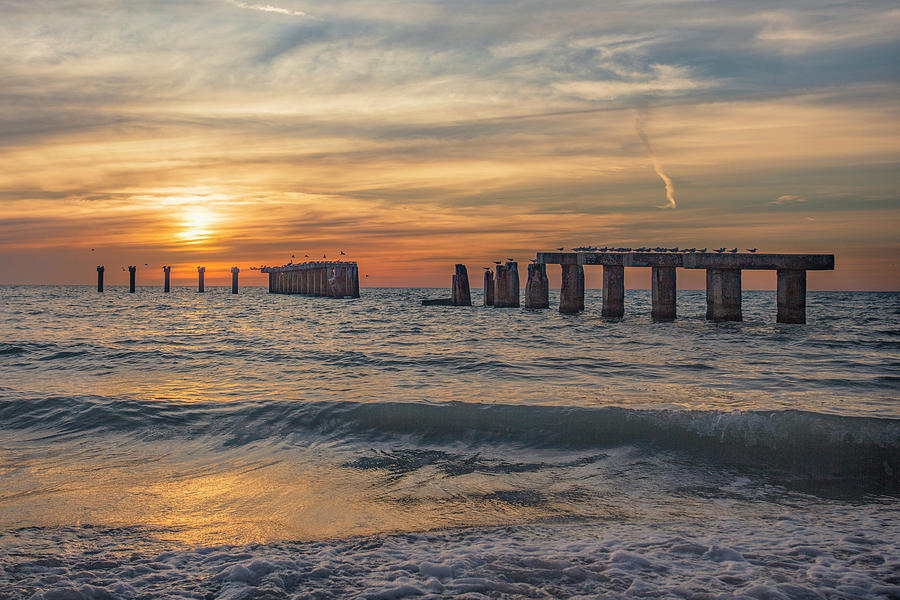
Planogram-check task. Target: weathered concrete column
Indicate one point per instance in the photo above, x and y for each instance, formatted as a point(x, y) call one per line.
point(537, 287)
point(460, 294)
point(571, 292)
point(723, 295)
point(791, 292)
point(271, 282)
point(488, 287)
point(166, 271)
point(323, 281)
point(100, 269)
point(613, 291)
point(662, 292)
point(354, 281)
point(331, 274)
point(507, 289)
point(131, 271)
point(200, 287)
point(234, 280)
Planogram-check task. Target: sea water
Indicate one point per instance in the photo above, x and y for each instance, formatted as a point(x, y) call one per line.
point(214, 445)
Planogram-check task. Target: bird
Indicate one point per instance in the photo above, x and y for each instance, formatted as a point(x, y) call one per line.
point(560, 249)
point(702, 250)
point(720, 250)
point(323, 256)
point(306, 255)
point(534, 260)
point(511, 259)
point(733, 250)
point(145, 264)
point(92, 249)
point(752, 249)
point(486, 268)
point(366, 275)
point(496, 262)
point(292, 256)
point(342, 253)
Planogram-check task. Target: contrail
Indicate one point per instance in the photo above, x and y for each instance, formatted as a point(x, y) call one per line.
point(670, 189)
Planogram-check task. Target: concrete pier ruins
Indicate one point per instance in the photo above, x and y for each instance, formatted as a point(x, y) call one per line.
point(488, 287)
point(506, 289)
point(723, 280)
point(537, 287)
point(166, 273)
point(131, 271)
point(332, 279)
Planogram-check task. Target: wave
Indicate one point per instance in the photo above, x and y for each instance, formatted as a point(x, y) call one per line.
point(814, 443)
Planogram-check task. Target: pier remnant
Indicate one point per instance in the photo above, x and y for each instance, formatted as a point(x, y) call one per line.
point(488, 287)
point(100, 269)
point(507, 286)
point(166, 271)
point(131, 271)
point(662, 293)
point(571, 292)
point(200, 287)
point(537, 287)
point(460, 295)
point(723, 278)
point(334, 279)
point(234, 279)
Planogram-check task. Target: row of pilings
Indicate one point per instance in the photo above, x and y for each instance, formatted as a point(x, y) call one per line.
point(167, 271)
point(332, 279)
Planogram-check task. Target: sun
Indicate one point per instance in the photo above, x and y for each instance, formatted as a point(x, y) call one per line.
point(196, 224)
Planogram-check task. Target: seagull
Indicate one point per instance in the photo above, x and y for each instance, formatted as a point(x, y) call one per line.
point(560, 249)
point(702, 250)
point(496, 262)
point(752, 249)
point(534, 260)
point(92, 249)
point(323, 256)
point(486, 268)
point(307, 255)
point(342, 252)
point(292, 256)
point(733, 250)
point(720, 250)
point(367, 275)
point(511, 259)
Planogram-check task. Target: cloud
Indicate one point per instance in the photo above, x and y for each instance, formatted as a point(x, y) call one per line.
point(272, 9)
point(787, 199)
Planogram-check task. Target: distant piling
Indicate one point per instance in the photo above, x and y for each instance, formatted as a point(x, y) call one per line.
point(488, 287)
point(166, 271)
point(200, 287)
point(460, 294)
point(234, 279)
point(131, 272)
point(100, 269)
point(537, 288)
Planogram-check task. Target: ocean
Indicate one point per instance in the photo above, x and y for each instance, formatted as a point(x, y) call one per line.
point(261, 446)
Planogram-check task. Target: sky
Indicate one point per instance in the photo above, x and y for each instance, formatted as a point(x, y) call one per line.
point(415, 135)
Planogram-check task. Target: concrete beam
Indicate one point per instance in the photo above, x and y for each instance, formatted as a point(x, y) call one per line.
point(696, 260)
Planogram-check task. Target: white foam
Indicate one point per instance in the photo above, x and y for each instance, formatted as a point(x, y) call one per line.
point(838, 551)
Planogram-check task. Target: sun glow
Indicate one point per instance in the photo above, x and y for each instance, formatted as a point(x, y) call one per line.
point(196, 224)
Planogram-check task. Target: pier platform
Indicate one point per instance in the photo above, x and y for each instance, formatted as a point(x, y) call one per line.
point(723, 280)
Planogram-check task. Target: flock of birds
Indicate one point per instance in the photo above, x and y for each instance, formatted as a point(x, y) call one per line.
point(657, 249)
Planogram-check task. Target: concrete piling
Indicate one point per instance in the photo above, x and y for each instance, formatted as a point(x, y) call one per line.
point(662, 292)
point(166, 280)
point(723, 295)
point(460, 295)
point(488, 287)
point(613, 291)
point(234, 279)
point(571, 292)
point(200, 287)
point(507, 289)
point(100, 270)
point(537, 287)
point(791, 293)
point(131, 272)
